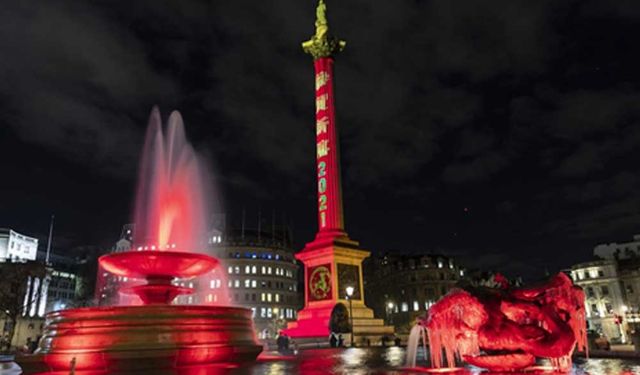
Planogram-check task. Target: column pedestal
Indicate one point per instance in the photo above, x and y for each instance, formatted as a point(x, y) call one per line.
point(331, 265)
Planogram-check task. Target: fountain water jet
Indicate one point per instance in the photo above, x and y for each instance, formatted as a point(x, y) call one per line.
point(171, 223)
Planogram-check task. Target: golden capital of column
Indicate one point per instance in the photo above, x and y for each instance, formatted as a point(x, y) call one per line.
point(321, 43)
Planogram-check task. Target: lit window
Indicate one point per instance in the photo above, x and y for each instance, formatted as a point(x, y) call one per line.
point(212, 284)
point(405, 307)
point(439, 264)
point(247, 283)
point(269, 297)
point(264, 270)
point(269, 270)
point(277, 297)
point(210, 298)
point(263, 297)
point(247, 269)
point(416, 306)
point(236, 269)
point(253, 269)
point(269, 312)
point(236, 283)
point(230, 270)
point(254, 284)
point(593, 273)
point(263, 312)
point(230, 285)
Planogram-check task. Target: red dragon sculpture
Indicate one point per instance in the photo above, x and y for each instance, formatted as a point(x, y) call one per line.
point(504, 329)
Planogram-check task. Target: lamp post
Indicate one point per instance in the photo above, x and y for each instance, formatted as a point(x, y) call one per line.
point(389, 311)
point(349, 291)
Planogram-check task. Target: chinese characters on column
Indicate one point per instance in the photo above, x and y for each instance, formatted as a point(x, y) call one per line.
point(322, 142)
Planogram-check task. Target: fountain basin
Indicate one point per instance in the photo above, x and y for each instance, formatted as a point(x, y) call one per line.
point(142, 337)
point(155, 263)
point(159, 268)
point(157, 293)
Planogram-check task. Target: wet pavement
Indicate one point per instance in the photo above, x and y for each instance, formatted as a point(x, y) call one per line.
point(360, 361)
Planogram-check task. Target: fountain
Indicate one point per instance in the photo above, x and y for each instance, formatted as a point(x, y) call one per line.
point(154, 333)
point(503, 329)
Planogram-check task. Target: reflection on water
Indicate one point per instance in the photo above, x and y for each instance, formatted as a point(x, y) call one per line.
point(357, 361)
point(607, 366)
point(391, 361)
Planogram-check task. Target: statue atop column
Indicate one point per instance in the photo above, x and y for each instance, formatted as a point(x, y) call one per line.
point(321, 43)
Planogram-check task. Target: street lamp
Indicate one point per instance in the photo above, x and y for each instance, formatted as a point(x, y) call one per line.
point(389, 311)
point(349, 291)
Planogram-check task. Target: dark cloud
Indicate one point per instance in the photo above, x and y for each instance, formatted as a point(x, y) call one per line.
point(71, 79)
point(480, 168)
point(526, 111)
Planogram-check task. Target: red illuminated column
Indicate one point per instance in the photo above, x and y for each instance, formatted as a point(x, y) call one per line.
point(330, 219)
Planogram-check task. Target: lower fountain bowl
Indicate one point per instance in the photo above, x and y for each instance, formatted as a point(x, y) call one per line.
point(125, 338)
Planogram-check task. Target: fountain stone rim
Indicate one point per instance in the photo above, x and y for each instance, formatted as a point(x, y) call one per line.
point(159, 264)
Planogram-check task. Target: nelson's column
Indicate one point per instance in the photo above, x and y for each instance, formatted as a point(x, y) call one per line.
point(332, 261)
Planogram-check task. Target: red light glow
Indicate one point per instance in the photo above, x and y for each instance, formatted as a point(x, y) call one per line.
point(510, 327)
point(142, 264)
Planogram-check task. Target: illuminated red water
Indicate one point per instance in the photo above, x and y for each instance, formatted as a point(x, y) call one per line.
point(170, 215)
point(159, 269)
point(170, 209)
point(166, 261)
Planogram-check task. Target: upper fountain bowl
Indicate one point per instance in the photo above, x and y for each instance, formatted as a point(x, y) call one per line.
point(150, 263)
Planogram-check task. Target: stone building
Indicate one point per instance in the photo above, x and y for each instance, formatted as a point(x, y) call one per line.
point(605, 302)
point(402, 287)
point(261, 274)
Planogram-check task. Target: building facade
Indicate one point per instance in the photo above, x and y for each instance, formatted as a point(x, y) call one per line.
point(61, 285)
point(605, 303)
point(16, 246)
point(403, 287)
point(261, 274)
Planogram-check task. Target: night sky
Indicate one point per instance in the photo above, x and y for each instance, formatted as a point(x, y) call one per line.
point(504, 132)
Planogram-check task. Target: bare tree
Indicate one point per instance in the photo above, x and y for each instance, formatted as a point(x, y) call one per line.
point(15, 276)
